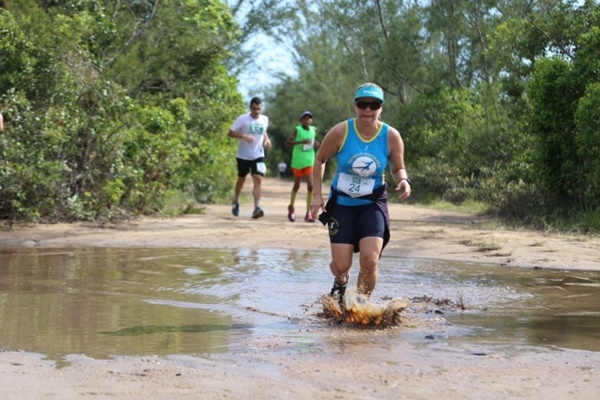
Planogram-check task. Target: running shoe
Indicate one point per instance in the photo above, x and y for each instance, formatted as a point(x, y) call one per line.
point(235, 208)
point(257, 213)
point(309, 217)
point(338, 287)
point(291, 213)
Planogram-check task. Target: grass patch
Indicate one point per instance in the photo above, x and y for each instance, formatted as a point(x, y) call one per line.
point(468, 207)
point(537, 243)
point(481, 245)
point(180, 203)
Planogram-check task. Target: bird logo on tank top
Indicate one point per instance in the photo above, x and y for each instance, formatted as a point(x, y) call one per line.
point(364, 166)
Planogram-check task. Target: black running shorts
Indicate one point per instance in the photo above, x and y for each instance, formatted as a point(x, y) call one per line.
point(254, 167)
point(350, 224)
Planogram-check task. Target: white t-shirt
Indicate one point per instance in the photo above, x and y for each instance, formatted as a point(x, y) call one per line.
point(246, 125)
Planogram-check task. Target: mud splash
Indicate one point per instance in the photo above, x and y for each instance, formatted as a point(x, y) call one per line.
point(357, 309)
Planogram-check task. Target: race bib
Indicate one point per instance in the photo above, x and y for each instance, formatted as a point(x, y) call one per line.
point(355, 186)
point(261, 168)
point(308, 146)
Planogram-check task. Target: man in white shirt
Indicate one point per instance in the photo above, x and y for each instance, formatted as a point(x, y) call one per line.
point(282, 166)
point(251, 131)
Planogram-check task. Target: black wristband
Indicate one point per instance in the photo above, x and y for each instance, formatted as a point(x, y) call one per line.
point(407, 180)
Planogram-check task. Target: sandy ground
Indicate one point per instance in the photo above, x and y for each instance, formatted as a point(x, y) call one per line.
point(416, 233)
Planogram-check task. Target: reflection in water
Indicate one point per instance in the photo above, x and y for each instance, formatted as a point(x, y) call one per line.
point(106, 301)
point(563, 310)
point(60, 301)
point(148, 330)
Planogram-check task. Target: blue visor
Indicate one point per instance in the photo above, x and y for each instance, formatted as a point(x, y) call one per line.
point(369, 91)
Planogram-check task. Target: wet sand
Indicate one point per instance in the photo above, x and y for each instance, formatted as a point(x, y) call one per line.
point(272, 369)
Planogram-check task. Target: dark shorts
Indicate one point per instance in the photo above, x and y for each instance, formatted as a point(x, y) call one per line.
point(250, 166)
point(350, 224)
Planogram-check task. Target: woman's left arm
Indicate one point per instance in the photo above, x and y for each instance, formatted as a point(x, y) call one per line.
point(396, 146)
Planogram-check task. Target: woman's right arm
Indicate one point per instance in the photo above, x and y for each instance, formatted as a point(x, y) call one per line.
point(329, 146)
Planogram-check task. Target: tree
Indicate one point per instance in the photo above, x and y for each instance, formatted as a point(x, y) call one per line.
point(111, 106)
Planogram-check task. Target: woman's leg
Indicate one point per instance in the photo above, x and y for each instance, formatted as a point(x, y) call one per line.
point(370, 251)
point(341, 261)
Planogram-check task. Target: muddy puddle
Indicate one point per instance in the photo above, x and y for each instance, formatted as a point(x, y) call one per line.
point(103, 302)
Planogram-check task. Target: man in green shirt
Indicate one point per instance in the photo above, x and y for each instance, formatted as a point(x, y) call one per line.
point(303, 157)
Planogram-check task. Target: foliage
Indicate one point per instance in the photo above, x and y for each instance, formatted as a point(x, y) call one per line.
point(554, 100)
point(587, 142)
point(109, 108)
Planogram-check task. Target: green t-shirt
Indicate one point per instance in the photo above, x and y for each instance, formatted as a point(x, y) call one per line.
point(303, 155)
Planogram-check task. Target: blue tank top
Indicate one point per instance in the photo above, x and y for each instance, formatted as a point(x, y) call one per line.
point(361, 165)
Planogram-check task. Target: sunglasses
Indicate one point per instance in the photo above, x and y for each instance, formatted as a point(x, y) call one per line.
point(373, 105)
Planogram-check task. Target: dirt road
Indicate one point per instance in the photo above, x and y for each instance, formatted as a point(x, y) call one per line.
point(417, 232)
